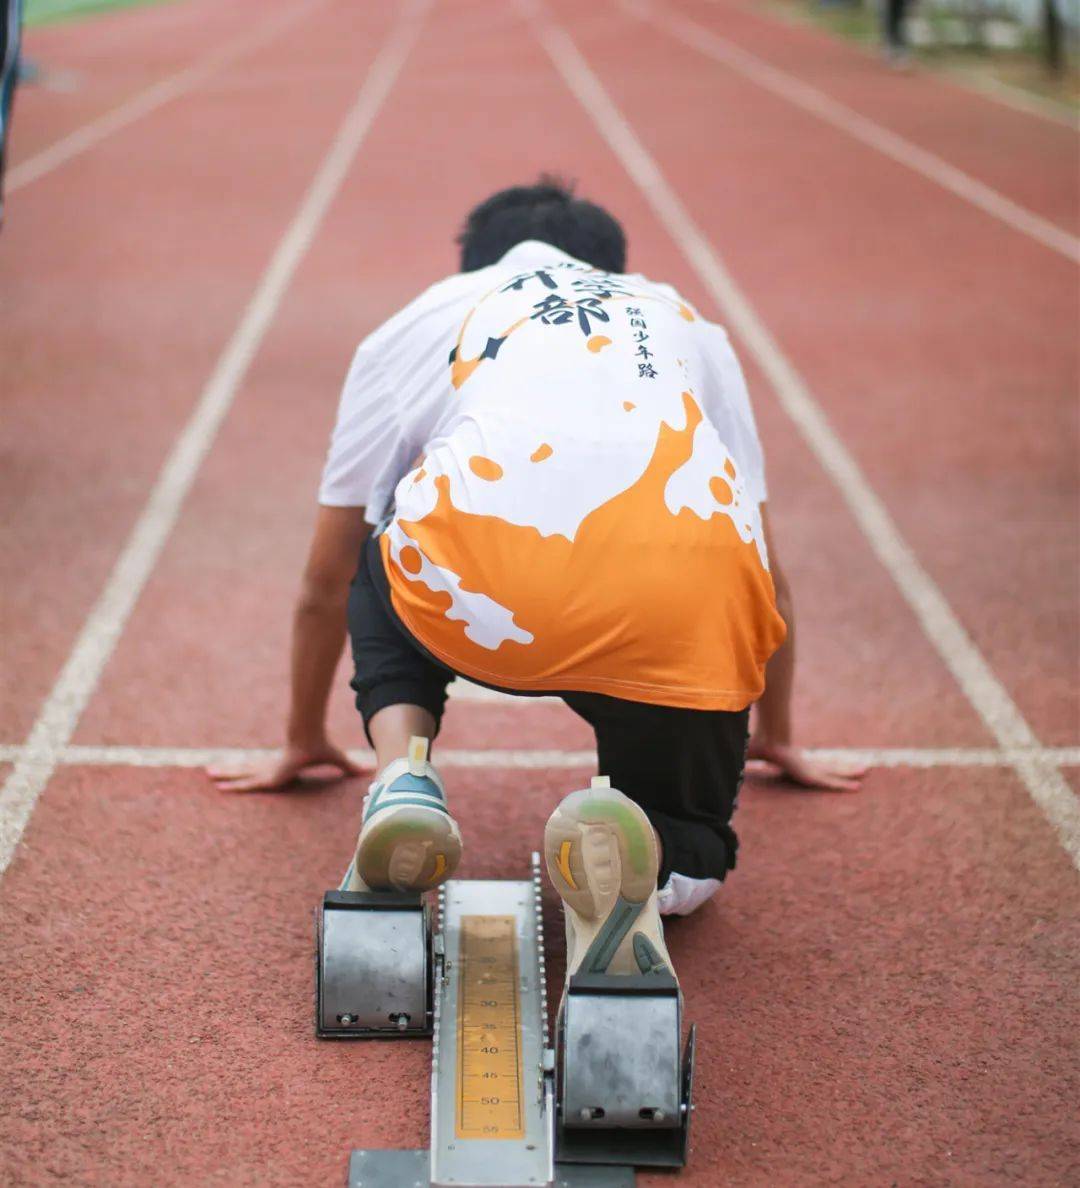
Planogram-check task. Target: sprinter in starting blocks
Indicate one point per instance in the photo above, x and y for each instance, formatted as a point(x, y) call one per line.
point(546, 477)
point(508, 1107)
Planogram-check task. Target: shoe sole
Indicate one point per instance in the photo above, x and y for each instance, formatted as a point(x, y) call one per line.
point(408, 849)
point(603, 917)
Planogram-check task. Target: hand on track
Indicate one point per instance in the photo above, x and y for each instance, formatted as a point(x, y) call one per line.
point(801, 768)
point(284, 769)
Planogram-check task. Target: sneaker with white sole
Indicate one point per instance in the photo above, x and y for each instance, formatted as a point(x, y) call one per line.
point(603, 858)
point(408, 840)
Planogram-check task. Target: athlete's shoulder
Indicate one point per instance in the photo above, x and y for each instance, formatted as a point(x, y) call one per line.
point(672, 296)
point(432, 315)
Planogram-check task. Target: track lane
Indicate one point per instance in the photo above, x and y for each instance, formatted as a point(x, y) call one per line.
point(237, 551)
point(899, 975)
point(848, 984)
point(92, 86)
point(110, 326)
point(163, 1030)
point(1027, 160)
point(981, 496)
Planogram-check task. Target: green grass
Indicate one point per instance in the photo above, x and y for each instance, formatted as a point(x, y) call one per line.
point(1021, 68)
point(48, 12)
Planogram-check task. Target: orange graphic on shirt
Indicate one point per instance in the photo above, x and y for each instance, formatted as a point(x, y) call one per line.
point(672, 609)
point(410, 559)
point(485, 468)
point(461, 368)
point(721, 492)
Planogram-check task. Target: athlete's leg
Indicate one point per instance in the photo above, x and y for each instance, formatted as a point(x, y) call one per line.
point(684, 768)
point(391, 728)
point(408, 839)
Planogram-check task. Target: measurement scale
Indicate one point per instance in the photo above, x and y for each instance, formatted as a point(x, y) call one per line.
point(490, 1076)
point(491, 1104)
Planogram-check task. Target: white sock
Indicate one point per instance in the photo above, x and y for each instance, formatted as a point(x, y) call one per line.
point(681, 895)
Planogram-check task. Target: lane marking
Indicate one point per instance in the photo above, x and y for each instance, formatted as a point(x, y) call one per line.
point(83, 139)
point(241, 757)
point(187, 757)
point(860, 127)
point(62, 709)
point(988, 696)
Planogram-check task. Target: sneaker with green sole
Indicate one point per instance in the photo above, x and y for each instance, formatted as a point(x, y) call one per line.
point(603, 858)
point(408, 839)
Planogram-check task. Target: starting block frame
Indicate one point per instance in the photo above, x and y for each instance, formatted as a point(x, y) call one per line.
point(508, 1109)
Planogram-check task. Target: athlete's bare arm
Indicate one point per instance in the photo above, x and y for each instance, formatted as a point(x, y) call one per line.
point(317, 639)
point(772, 738)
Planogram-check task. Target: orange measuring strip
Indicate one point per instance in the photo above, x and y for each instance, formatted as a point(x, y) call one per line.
point(489, 1080)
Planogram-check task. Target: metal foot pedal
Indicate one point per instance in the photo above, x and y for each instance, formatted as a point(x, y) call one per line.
point(624, 1091)
point(375, 969)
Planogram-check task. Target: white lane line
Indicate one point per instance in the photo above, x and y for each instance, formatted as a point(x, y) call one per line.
point(60, 713)
point(863, 129)
point(917, 757)
point(986, 693)
point(162, 92)
point(949, 756)
point(241, 757)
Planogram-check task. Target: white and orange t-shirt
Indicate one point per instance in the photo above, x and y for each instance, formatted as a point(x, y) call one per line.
point(572, 478)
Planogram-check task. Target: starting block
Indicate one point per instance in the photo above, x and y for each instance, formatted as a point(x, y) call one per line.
point(508, 1109)
point(375, 972)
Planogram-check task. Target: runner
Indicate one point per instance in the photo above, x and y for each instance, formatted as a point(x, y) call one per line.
point(551, 474)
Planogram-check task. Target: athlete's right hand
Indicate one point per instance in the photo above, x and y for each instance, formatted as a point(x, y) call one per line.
point(284, 770)
point(795, 764)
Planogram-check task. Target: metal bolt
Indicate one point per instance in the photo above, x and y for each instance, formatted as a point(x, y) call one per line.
point(346, 1019)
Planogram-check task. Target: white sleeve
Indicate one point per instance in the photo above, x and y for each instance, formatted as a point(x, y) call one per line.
point(367, 434)
point(727, 396)
point(398, 381)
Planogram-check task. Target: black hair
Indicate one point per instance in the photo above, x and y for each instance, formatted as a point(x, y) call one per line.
point(547, 211)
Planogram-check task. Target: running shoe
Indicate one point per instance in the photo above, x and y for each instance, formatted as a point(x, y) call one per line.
point(602, 856)
point(408, 840)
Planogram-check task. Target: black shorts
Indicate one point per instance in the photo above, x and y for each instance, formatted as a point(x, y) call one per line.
point(683, 766)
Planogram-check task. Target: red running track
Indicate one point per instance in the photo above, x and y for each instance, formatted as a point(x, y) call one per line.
point(887, 986)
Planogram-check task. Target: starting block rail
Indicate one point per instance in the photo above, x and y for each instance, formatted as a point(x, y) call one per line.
point(507, 1109)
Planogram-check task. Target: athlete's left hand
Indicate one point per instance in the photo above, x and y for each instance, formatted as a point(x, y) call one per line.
point(794, 763)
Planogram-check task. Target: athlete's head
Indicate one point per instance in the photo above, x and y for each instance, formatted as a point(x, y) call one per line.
point(547, 211)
